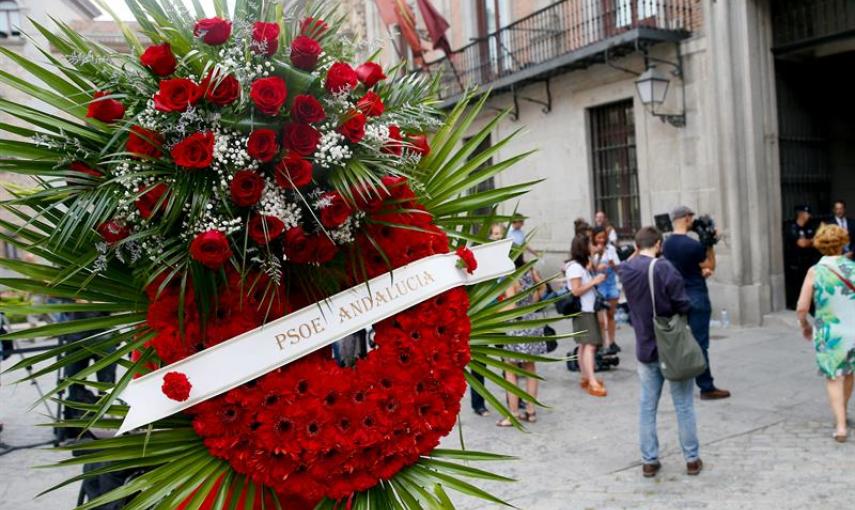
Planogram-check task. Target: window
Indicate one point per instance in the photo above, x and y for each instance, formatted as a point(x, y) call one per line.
point(615, 165)
point(10, 19)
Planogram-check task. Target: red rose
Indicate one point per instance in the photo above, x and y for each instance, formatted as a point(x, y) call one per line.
point(265, 38)
point(293, 172)
point(195, 151)
point(262, 144)
point(151, 199)
point(341, 77)
point(113, 231)
point(176, 95)
point(370, 73)
point(301, 138)
point(159, 58)
point(105, 110)
point(144, 142)
point(354, 127)
point(221, 90)
point(269, 94)
point(336, 211)
point(176, 386)
point(419, 144)
point(371, 104)
point(213, 31)
point(313, 27)
point(211, 249)
point(467, 259)
point(263, 229)
point(306, 109)
point(246, 187)
point(305, 52)
point(303, 249)
point(80, 166)
point(394, 145)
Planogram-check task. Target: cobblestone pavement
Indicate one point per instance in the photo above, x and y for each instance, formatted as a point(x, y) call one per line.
point(769, 446)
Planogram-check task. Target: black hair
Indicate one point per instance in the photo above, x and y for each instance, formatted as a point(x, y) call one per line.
point(580, 250)
point(519, 261)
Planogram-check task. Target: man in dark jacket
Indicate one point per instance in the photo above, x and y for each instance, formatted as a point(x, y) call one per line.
point(671, 298)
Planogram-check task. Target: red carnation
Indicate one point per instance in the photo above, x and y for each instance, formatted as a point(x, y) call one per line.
point(269, 94)
point(371, 104)
point(213, 31)
point(159, 58)
point(301, 138)
point(354, 127)
point(105, 110)
point(210, 249)
point(176, 95)
point(263, 229)
point(80, 166)
point(293, 171)
point(176, 386)
point(324, 248)
point(246, 188)
point(306, 109)
point(370, 73)
point(265, 38)
point(195, 151)
point(262, 145)
point(394, 145)
point(313, 27)
point(340, 77)
point(221, 90)
point(144, 142)
point(335, 211)
point(151, 199)
point(467, 259)
point(301, 248)
point(305, 52)
point(113, 231)
point(419, 144)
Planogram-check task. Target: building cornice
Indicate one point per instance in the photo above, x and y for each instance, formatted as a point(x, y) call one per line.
point(88, 8)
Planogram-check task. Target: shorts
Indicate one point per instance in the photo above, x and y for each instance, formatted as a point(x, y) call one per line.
point(609, 290)
point(587, 322)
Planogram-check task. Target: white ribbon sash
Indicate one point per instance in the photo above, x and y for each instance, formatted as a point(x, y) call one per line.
point(255, 353)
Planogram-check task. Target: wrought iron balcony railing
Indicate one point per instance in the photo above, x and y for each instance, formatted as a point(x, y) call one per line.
point(556, 31)
point(800, 23)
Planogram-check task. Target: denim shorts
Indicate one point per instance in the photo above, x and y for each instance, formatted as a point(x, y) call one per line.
point(609, 290)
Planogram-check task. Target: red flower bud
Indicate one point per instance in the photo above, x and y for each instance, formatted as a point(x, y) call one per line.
point(265, 38)
point(246, 188)
point(210, 249)
point(113, 231)
point(370, 73)
point(213, 31)
point(159, 59)
point(105, 110)
point(305, 52)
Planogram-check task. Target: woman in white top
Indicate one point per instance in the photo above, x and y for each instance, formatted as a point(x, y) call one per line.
point(581, 283)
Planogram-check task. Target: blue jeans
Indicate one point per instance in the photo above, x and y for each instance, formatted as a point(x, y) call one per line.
point(681, 394)
point(699, 322)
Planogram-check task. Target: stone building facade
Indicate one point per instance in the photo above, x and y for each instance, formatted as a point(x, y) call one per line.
point(567, 72)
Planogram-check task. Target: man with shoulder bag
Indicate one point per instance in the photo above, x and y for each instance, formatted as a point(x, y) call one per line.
point(665, 349)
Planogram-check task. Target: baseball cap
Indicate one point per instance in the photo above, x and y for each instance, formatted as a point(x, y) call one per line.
point(681, 212)
point(803, 208)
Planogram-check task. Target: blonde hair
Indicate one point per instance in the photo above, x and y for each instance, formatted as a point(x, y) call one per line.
point(830, 240)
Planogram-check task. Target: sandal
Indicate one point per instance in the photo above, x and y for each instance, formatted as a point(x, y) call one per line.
point(841, 438)
point(583, 383)
point(531, 417)
point(482, 412)
point(596, 391)
point(504, 423)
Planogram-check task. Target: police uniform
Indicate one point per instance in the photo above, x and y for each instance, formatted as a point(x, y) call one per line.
point(797, 260)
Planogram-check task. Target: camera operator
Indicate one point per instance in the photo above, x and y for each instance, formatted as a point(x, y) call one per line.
point(696, 262)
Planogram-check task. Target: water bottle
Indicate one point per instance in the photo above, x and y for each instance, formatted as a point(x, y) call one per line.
point(725, 319)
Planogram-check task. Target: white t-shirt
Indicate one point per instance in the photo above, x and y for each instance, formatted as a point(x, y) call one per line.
point(575, 270)
point(609, 256)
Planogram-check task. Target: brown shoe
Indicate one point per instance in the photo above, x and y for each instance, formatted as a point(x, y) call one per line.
point(694, 468)
point(715, 394)
point(596, 390)
point(650, 470)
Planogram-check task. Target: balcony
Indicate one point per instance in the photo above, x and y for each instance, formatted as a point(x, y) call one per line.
point(566, 35)
point(801, 24)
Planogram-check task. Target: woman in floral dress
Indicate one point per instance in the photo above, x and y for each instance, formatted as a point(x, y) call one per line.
point(829, 285)
point(528, 280)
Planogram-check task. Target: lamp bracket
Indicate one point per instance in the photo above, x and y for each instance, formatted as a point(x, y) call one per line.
point(547, 104)
point(679, 119)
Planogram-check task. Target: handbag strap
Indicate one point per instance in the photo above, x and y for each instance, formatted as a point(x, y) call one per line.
point(840, 277)
point(650, 284)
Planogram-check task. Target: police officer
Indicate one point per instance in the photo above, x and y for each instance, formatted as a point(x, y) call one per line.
point(799, 253)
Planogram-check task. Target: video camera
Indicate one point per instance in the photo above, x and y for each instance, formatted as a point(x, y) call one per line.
point(703, 225)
